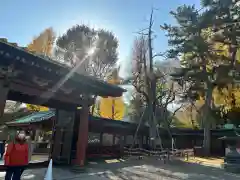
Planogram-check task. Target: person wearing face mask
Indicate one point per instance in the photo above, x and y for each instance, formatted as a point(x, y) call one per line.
point(16, 157)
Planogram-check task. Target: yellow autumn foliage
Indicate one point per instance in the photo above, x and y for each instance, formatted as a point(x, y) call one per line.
point(112, 107)
point(42, 44)
point(223, 96)
point(32, 107)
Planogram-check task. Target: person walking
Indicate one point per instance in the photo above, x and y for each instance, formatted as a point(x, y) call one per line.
point(16, 157)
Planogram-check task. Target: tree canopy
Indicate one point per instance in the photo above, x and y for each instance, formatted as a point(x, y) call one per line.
point(94, 51)
point(207, 40)
point(43, 43)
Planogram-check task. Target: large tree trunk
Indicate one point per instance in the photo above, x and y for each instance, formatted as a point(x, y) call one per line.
point(233, 53)
point(151, 88)
point(207, 122)
point(191, 117)
point(152, 127)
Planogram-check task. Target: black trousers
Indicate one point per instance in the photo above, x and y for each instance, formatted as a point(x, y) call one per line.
point(14, 172)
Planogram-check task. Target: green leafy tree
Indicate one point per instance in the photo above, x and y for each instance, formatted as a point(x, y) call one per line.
point(89, 51)
point(191, 39)
point(225, 15)
point(208, 41)
point(94, 51)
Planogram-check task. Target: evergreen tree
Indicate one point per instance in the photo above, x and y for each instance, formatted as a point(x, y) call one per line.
point(80, 40)
point(92, 52)
point(191, 39)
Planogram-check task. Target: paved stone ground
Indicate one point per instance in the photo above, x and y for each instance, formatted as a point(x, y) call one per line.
point(147, 169)
point(151, 169)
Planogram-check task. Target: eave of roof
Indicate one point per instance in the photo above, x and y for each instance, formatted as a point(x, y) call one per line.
point(45, 115)
point(104, 88)
point(33, 118)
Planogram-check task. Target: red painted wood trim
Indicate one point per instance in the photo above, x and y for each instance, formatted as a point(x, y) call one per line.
point(82, 136)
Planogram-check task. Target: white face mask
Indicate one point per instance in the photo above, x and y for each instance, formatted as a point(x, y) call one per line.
point(21, 135)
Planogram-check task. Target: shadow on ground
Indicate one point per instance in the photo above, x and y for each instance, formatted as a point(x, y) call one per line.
point(155, 169)
point(133, 169)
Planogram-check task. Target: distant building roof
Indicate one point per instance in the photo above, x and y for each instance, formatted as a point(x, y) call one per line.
point(110, 124)
point(46, 115)
point(33, 118)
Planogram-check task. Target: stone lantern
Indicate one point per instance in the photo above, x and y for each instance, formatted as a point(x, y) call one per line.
point(232, 153)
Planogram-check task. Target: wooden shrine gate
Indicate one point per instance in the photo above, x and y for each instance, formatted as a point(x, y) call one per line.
point(36, 79)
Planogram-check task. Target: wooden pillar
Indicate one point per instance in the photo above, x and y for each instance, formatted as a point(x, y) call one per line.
point(52, 137)
point(114, 139)
point(125, 140)
point(121, 143)
point(37, 133)
point(148, 141)
point(101, 138)
point(82, 136)
point(140, 141)
point(3, 97)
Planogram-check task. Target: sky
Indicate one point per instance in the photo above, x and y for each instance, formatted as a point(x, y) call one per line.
point(22, 20)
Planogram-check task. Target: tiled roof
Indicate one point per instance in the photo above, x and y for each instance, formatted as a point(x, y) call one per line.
point(23, 56)
point(34, 117)
point(43, 56)
point(45, 115)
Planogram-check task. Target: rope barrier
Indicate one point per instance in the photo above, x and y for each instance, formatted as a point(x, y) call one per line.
point(162, 154)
